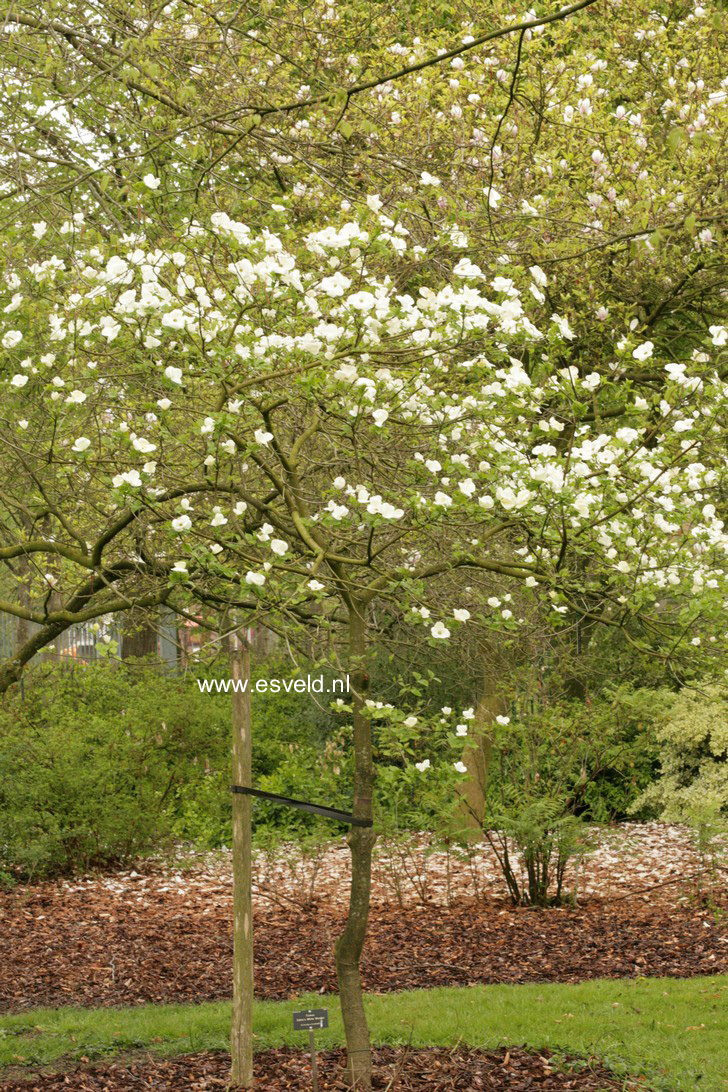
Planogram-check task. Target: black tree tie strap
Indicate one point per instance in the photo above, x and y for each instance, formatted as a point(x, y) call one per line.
point(315, 809)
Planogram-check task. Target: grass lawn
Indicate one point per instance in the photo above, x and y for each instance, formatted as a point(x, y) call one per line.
point(674, 1031)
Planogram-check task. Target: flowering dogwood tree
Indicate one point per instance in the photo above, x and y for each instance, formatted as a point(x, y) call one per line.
point(302, 350)
point(275, 418)
point(583, 142)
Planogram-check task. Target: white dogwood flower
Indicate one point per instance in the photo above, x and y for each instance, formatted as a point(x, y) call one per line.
point(140, 444)
point(643, 351)
point(129, 477)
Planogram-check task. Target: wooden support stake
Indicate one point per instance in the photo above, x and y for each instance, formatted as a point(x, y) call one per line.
point(241, 1035)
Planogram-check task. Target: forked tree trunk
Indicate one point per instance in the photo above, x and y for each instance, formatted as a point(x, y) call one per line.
point(361, 843)
point(241, 1035)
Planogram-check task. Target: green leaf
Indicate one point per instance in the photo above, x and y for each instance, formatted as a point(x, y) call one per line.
point(339, 100)
point(675, 138)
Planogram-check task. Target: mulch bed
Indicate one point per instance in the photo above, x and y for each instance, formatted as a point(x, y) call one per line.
point(94, 946)
point(285, 1069)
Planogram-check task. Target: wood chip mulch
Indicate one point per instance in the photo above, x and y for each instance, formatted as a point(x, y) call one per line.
point(93, 945)
point(398, 1070)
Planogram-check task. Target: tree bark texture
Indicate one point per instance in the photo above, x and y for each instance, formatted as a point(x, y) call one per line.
point(361, 843)
point(241, 1035)
point(477, 758)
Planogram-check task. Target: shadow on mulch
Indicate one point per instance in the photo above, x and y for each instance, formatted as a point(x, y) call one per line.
point(398, 1070)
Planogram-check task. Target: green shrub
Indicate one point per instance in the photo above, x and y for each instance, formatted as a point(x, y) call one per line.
point(553, 769)
point(292, 756)
point(534, 789)
point(691, 730)
point(90, 758)
point(101, 764)
point(600, 754)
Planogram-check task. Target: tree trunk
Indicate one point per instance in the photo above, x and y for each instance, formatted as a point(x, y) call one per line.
point(477, 757)
point(24, 577)
point(361, 843)
point(241, 1035)
point(581, 631)
point(22, 625)
point(139, 637)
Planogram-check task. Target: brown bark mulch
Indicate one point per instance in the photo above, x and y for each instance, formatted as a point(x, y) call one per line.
point(93, 946)
point(282, 1070)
